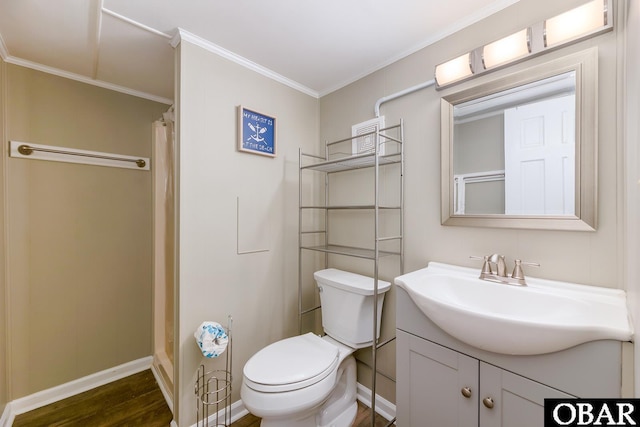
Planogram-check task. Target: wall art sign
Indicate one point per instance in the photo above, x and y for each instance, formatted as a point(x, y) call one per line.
point(256, 132)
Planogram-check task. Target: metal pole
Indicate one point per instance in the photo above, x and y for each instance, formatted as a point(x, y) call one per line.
point(374, 347)
point(402, 196)
point(300, 241)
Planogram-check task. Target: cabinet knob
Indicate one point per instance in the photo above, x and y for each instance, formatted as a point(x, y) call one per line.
point(488, 402)
point(466, 392)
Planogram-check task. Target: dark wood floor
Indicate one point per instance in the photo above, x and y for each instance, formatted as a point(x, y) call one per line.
point(363, 418)
point(134, 401)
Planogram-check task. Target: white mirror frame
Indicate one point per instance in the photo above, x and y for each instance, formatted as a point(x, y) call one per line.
point(585, 65)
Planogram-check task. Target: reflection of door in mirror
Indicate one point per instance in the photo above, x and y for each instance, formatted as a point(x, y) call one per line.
point(514, 150)
point(540, 157)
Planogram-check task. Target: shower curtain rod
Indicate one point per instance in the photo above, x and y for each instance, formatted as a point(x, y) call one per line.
point(24, 150)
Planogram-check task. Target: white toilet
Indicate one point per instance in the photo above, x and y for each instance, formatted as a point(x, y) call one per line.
point(309, 381)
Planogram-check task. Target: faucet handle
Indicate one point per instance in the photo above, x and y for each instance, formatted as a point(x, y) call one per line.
point(486, 267)
point(518, 273)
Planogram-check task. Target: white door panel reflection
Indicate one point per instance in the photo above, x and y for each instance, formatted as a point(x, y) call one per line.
point(540, 157)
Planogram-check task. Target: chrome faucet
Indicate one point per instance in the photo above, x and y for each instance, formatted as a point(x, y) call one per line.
point(494, 269)
point(497, 260)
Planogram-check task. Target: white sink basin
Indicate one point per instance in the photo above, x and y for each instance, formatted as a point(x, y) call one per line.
point(543, 317)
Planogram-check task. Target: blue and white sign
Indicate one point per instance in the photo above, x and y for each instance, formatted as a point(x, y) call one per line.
point(257, 132)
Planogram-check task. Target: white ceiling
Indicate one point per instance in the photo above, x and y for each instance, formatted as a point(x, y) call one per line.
point(315, 45)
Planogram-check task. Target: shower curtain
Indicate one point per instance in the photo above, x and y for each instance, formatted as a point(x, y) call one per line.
point(164, 244)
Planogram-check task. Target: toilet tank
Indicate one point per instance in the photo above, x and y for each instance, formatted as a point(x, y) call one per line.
point(347, 306)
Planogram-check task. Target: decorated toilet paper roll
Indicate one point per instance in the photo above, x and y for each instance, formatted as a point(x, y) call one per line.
point(211, 338)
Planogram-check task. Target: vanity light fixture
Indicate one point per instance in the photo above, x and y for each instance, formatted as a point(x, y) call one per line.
point(454, 70)
point(507, 49)
point(590, 19)
point(575, 23)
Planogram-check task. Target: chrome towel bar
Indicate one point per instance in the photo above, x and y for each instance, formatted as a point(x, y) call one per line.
point(26, 150)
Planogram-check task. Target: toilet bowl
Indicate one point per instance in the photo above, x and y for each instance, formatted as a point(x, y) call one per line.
point(310, 381)
point(288, 383)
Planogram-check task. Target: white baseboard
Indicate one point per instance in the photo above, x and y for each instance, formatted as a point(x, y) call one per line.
point(45, 397)
point(7, 416)
point(383, 407)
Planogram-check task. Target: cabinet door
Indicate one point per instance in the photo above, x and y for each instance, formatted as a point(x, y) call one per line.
point(436, 386)
point(517, 401)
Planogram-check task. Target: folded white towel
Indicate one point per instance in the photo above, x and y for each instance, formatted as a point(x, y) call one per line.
point(211, 338)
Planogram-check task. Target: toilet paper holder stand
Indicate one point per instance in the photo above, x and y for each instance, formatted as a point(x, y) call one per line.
point(213, 390)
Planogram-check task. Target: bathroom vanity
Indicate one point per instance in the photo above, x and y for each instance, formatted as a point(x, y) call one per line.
point(443, 381)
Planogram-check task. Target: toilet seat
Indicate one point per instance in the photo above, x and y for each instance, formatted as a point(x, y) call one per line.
point(291, 364)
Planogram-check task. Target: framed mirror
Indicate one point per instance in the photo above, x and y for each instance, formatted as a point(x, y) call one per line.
point(520, 151)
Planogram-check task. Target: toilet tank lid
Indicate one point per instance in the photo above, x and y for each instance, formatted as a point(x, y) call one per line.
point(349, 281)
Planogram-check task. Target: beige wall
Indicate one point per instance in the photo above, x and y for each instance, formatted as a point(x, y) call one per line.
point(79, 236)
point(3, 303)
point(259, 290)
point(583, 257)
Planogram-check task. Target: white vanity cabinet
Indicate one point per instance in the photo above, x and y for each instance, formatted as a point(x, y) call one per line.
point(438, 386)
point(510, 400)
point(442, 382)
point(429, 380)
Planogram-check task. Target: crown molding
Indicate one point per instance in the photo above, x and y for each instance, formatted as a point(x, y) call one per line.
point(183, 35)
point(84, 79)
